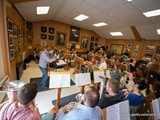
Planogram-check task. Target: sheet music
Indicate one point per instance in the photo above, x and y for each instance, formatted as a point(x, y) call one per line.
point(59, 80)
point(119, 111)
point(60, 62)
point(98, 73)
point(82, 79)
point(156, 108)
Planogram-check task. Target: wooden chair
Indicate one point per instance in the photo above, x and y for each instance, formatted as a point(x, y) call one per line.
point(104, 116)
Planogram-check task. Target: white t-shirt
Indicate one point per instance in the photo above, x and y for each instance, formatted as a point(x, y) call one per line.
point(103, 66)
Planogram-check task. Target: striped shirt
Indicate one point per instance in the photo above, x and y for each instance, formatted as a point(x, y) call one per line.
point(45, 58)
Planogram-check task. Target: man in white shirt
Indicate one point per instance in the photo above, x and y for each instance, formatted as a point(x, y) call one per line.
point(103, 65)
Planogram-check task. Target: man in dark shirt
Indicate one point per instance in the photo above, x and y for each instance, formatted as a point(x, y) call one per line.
point(114, 96)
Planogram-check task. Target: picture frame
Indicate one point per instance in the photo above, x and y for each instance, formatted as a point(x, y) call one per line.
point(68, 45)
point(92, 38)
point(157, 55)
point(117, 48)
point(51, 37)
point(10, 40)
point(29, 34)
point(129, 45)
point(19, 32)
point(149, 51)
point(84, 42)
point(10, 25)
point(43, 29)
point(74, 34)
point(12, 54)
point(43, 43)
point(51, 30)
point(15, 31)
point(29, 25)
point(43, 36)
point(61, 39)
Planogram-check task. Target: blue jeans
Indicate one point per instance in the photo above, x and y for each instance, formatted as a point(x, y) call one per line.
point(44, 76)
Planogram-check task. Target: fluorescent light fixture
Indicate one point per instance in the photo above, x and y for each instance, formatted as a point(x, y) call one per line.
point(42, 10)
point(158, 31)
point(81, 17)
point(129, 0)
point(100, 24)
point(116, 33)
point(152, 13)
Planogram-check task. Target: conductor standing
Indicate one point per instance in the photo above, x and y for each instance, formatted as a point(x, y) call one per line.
point(45, 58)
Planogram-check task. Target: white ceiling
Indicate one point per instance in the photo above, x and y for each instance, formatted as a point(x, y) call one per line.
point(118, 14)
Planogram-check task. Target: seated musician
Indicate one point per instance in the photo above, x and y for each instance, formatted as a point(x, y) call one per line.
point(61, 54)
point(103, 65)
point(105, 56)
point(116, 73)
point(136, 97)
point(78, 111)
point(23, 108)
point(112, 96)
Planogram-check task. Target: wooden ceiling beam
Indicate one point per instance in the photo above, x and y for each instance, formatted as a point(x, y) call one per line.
point(136, 34)
point(20, 1)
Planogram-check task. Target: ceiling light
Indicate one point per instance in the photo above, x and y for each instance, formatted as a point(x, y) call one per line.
point(152, 13)
point(116, 33)
point(81, 17)
point(100, 24)
point(158, 31)
point(42, 10)
point(129, 0)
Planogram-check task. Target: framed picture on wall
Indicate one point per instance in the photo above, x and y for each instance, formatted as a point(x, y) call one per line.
point(51, 30)
point(29, 34)
point(61, 39)
point(12, 54)
point(129, 45)
point(51, 37)
point(157, 55)
point(10, 25)
point(15, 31)
point(10, 40)
point(117, 48)
point(68, 45)
point(29, 25)
point(74, 34)
point(84, 42)
point(19, 32)
point(92, 38)
point(43, 29)
point(149, 51)
point(43, 36)
point(43, 43)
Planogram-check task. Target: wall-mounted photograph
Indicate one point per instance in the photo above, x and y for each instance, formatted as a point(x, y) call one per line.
point(51, 30)
point(51, 37)
point(43, 36)
point(10, 40)
point(74, 34)
point(10, 25)
point(12, 54)
point(68, 45)
point(15, 31)
point(43, 29)
point(61, 39)
point(84, 42)
point(129, 45)
point(117, 48)
point(43, 43)
point(157, 55)
point(29, 34)
point(29, 25)
point(92, 38)
point(19, 32)
point(149, 51)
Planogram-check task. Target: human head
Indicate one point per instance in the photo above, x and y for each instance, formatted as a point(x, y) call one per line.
point(27, 93)
point(61, 37)
point(138, 83)
point(102, 59)
point(91, 97)
point(112, 86)
point(130, 76)
point(50, 50)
